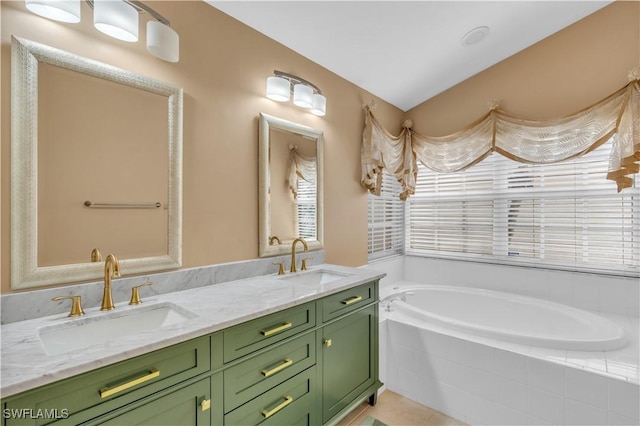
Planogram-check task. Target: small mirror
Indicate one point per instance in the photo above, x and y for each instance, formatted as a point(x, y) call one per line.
point(96, 162)
point(290, 169)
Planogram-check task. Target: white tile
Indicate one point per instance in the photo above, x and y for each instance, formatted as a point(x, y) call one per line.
point(439, 344)
point(477, 355)
point(591, 360)
point(537, 421)
point(633, 299)
point(546, 406)
point(510, 393)
point(577, 413)
point(478, 382)
point(478, 410)
point(586, 387)
point(624, 398)
point(508, 416)
point(561, 292)
point(585, 293)
point(615, 419)
point(546, 376)
point(613, 296)
point(510, 365)
point(453, 401)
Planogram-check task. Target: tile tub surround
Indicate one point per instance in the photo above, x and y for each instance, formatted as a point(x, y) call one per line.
point(37, 303)
point(487, 382)
point(24, 364)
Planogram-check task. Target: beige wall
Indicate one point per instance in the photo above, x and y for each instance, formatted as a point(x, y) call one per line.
point(560, 75)
point(223, 69)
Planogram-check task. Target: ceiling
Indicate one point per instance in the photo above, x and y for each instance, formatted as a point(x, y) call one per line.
point(406, 52)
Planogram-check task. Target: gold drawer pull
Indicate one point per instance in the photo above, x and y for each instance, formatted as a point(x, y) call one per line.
point(268, 413)
point(278, 329)
point(286, 363)
point(205, 405)
point(352, 300)
point(108, 391)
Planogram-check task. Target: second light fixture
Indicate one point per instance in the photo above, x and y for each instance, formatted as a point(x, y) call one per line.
point(305, 94)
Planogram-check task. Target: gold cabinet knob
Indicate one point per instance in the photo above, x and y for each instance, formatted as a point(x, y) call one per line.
point(76, 305)
point(327, 342)
point(135, 293)
point(205, 404)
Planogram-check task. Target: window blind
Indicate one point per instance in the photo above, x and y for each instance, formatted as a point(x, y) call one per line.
point(307, 209)
point(564, 215)
point(386, 220)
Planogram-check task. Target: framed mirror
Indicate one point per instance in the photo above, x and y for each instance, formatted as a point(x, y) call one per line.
point(291, 185)
point(96, 163)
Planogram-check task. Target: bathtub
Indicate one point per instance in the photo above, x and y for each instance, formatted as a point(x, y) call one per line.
point(508, 317)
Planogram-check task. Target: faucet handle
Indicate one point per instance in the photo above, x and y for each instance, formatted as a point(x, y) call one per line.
point(280, 267)
point(135, 293)
point(303, 266)
point(76, 305)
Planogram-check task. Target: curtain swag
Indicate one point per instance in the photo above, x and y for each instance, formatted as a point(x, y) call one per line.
point(520, 139)
point(300, 167)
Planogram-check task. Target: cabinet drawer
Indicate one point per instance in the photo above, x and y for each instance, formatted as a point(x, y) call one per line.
point(262, 372)
point(185, 406)
point(290, 403)
point(256, 334)
point(346, 301)
point(91, 394)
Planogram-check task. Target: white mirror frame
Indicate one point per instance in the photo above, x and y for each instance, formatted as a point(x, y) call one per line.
point(268, 122)
point(25, 56)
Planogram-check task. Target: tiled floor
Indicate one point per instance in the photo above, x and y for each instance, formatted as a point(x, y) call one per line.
point(396, 410)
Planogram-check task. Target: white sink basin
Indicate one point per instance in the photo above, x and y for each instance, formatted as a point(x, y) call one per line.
point(314, 277)
point(81, 333)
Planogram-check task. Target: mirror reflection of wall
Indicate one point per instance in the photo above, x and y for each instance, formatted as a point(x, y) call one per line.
point(104, 142)
point(292, 215)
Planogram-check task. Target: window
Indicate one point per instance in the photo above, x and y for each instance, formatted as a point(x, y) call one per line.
point(386, 220)
point(564, 215)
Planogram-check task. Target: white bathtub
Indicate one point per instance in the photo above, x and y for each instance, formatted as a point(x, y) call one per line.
point(508, 317)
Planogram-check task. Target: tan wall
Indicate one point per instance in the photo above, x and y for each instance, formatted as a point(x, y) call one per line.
point(560, 75)
point(223, 68)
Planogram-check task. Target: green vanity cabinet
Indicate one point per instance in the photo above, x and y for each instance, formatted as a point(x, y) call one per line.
point(305, 365)
point(348, 350)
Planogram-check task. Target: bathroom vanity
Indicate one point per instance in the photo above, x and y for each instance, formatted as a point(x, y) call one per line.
point(310, 360)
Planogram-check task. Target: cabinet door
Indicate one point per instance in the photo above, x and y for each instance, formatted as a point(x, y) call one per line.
point(187, 406)
point(348, 356)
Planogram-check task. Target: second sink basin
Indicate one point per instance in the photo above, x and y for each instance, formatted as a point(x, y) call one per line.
point(318, 277)
point(85, 332)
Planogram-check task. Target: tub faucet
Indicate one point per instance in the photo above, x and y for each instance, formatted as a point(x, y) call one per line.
point(293, 252)
point(111, 270)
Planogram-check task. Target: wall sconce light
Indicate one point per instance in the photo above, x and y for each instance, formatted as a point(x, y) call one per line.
point(305, 94)
point(118, 19)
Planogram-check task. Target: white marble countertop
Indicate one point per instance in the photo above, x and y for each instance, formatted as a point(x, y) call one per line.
point(25, 365)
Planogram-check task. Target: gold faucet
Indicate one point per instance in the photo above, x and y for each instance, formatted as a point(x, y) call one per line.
point(293, 252)
point(111, 269)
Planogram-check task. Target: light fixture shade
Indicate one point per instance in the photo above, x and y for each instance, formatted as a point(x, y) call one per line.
point(58, 10)
point(278, 89)
point(302, 95)
point(163, 42)
point(318, 104)
point(116, 18)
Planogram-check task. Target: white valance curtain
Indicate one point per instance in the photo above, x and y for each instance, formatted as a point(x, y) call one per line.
point(300, 167)
point(520, 139)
